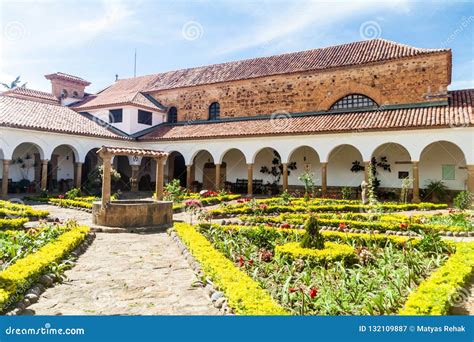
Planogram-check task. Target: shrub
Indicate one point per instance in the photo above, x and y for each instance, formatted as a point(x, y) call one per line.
point(312, 237)
point(13, 224)
point(332, 252)
point(73, 193)
point(16, 279)
point(245, 295)
point(463, 200)
point(436, 294)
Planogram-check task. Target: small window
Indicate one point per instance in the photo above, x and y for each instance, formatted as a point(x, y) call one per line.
point(403, 174)
point(145, 117)
point(353, 101)
point(115, 115)
point(75, 94)
point(214, 111)
point(64, 93)
point(173, 115)
point(448, 172)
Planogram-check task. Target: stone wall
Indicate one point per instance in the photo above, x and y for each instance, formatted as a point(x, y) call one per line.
point(400, 81)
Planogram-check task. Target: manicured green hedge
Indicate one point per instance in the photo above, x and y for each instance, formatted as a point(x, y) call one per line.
point(13, 224)
point(70, 203)
point(383, 225)
point(360, 238)
point(245, 295)
point(17, 210)
point(435, 295)
point(245, 209)
point(17, 278)
point(331, 252)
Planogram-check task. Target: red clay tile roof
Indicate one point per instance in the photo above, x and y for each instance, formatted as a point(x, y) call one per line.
point(122, 98)
point(21, 113)
point(31, 94)
point(67, 77)
point(127, 151)
point(458, 113)
point(357, 53)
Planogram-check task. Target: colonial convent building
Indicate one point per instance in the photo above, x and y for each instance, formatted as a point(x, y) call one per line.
point(328, 111)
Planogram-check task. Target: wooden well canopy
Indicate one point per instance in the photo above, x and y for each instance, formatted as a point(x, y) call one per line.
point(107, 152)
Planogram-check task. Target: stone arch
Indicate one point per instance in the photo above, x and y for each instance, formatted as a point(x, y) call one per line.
point(307, 160)
point(176, 167)
point(352, 88)
point(441, 159)
point(233, 167)
point(400, 161)
point(339, 163)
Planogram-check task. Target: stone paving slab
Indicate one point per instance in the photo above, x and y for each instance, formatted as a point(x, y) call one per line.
point(127, 274)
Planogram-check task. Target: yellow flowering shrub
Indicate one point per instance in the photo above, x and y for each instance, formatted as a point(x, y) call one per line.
point(245, 295)
point(331, 252)
point(70, 203)
point(16, 279)
point(435, 295)
point(14, 223)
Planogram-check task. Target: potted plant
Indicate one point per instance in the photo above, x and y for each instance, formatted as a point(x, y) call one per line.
point(437, 190)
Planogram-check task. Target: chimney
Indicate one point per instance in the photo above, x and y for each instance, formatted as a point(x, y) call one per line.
point(67, 88)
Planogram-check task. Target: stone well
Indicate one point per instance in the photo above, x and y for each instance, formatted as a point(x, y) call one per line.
point(133, 213)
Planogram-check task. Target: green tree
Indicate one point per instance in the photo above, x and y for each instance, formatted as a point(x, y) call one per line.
point(312, 237)
point(14, 84)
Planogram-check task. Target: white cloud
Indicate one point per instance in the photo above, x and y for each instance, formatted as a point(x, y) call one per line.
point(286, 20)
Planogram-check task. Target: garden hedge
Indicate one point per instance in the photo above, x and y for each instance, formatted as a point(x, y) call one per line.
point(13, 224)
point(436, 294)
point(331, 252)
point(265, 209)
point(245, 295)
point(17, 278)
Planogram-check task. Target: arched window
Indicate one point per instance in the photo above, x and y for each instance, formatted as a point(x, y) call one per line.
point(75, 94)
point(214, 111)
point(64, 93)
point(173, 115)
point(354, 101)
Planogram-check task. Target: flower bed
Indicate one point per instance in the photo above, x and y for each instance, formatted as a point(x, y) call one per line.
point(435, 295)
point(18, 277)
point(385, 271)
point(245, 296)
point(262, 208)
point(380, 222)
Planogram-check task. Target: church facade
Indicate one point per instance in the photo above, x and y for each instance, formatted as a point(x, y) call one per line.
point(326, 112)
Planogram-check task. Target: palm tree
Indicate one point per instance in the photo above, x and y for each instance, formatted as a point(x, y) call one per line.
point(13, 84)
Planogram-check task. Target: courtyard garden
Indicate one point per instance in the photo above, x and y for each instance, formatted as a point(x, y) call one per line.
point(318, 256)
point(31, 255)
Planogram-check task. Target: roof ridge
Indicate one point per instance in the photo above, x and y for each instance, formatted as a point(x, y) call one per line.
point(367, 41)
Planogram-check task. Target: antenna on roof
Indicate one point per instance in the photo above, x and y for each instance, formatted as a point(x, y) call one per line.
point(116, 77)
point(135, 65)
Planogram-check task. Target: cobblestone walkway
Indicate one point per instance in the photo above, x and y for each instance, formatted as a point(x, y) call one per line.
point(125, 274)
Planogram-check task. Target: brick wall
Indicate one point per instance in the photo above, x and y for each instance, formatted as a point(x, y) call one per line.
point(396, 82)
point(58, 86)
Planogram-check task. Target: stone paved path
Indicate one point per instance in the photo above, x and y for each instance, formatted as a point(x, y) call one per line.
point(127, 274)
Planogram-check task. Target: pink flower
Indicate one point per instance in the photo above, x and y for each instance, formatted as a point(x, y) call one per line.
point(61, 196)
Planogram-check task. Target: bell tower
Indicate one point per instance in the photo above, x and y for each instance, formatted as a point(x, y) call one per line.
point(66, 87)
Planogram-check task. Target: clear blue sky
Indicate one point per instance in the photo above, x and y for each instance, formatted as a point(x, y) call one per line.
point(96, 39)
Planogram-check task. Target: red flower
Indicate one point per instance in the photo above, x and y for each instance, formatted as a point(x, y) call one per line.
point(241, 261)
point(61, 196)
point(263, 206)
point(451, 211)
point(403, 226)
point(250, 262)
point(292, 289)
point(313, 292)
point(342, 226)
point(285, 225)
